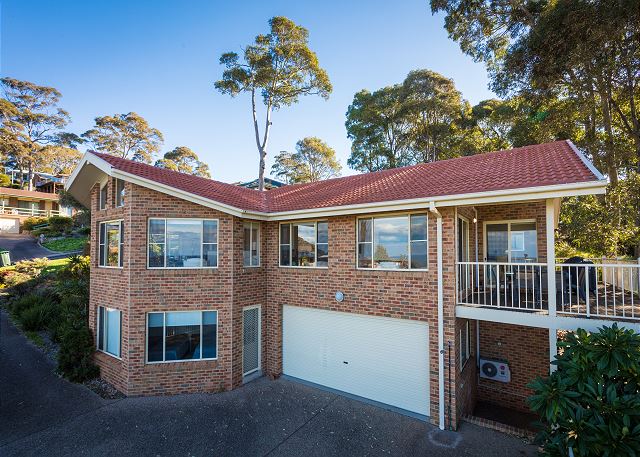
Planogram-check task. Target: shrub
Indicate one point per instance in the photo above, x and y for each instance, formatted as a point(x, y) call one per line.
point(37, 317)
point(31, 221)
point(75, 357)
point(591, 404)
point(77, 267)
point(32, 267)
point(60, 224)
point(19, 305)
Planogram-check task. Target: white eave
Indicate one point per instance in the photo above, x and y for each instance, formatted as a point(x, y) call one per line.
point(96, 170)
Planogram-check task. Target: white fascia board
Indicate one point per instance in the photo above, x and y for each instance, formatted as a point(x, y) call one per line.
point(88, 157)
point(586, 161)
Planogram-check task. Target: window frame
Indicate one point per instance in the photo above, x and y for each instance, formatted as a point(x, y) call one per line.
point(100, 332)
point(104, 245)
point(508, 223)
point(164, 336)
point(165, 219)
point(464, 358)
point(120, 199)
point(251, 224)
point(315, 259)
point(102, 202)
point(409, 240)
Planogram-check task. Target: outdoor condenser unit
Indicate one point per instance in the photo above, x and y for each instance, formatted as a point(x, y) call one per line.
point(497, 370)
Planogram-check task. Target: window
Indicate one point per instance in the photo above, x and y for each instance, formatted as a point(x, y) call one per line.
point(119, 192)
point(30, 207)
point(103, 197)
point(251, 249)
point(109, 325)
point(111, 244)
point(393, 242)
point(182, 335)
point(515, 241)
point(183, 243)
point(304, 244)
point(465, 345)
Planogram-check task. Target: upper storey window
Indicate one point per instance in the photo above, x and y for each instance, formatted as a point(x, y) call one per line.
point(393, 242)
point(103, 197)
point(251, 248)
point(110, 244)
point(119, 192)
point(183, 243)
point(304, 244)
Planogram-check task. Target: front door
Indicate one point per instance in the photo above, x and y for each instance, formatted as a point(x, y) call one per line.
point(251, 339)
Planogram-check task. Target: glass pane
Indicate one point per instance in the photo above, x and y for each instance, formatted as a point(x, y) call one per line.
point(120, 192)
point(156, 255)
point(323, 255)
point(154, 337)
point(210, 254)
point(246, 249)
point(113, 332)
point(418, 227)
point(303, 249)
point(101, 328)
point(364, 255)
point(209, 334)
point(391, 237)
point(284, 256)
point(103, 197)
point(524, 242)
point(364, 230)
point(323, 232)
point(255, 244)
point(113, 244)
point(284, 234)
point(182, 333)
point(183, 243)
point(156, 230)
point(101, 248)
point(210, 234)
point(121, 263)
point(497, 243)
point(418, 254)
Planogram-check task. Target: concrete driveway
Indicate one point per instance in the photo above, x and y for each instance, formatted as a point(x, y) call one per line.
point(22, 246)
point(41, 414)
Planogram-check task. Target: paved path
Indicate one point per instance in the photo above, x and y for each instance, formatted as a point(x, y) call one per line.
point(41, 414)
point(24, 247)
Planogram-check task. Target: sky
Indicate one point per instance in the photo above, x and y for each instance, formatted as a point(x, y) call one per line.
point(160, 59)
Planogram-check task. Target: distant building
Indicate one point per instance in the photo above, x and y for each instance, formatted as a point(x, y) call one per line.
point(268, 184)
point(16, 205)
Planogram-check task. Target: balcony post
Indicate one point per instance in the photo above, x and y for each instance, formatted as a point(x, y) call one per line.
point(551, 278)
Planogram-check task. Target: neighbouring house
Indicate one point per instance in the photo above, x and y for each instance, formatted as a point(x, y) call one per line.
point(16, 205)
point(426, 288)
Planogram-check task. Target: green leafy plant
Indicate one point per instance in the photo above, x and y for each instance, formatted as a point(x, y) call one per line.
point(30, 222)
point(75, 357)
point(60, 224)
point(37, 317)
point(591, 404)
point(32, 267)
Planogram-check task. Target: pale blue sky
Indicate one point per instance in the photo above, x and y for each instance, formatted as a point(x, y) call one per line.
point(160, 59)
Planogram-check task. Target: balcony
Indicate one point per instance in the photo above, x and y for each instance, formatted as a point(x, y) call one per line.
point(28, 212)
point(608, 290)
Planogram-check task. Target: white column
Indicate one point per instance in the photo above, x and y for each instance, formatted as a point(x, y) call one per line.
point(551, 278)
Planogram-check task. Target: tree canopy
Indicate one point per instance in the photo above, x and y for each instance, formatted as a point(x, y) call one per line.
point(184, 160)
point(314, 160)
point(280, 67)
point(128, 136)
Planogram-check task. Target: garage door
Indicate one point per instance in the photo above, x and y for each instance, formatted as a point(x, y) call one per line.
point(9, 225)
point(381, 359)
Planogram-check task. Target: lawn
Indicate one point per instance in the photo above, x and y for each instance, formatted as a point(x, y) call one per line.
point(54, 265)
point(66, 244)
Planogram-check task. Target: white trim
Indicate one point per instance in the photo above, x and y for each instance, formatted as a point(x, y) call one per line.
point(120, 243)
point(586, 161)
point(164, 336)
point(202, 243)
point(476, 198)
point(259, 308)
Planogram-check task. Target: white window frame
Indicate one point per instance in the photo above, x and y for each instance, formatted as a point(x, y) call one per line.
point(164, 336)
point(251, 225)
point(508, 223)
point(165, 219)
point(373, 236)
point(100, 332)
point(102, 203)
point(120, 199)
point(465, 350)
point(315, 259)
point(103, 245)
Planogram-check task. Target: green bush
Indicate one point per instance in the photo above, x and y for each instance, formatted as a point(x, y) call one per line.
point(31, 221)
point(591, 404)
point(60, 224)
point(75, 357)
point(32, 267)
point(20, 304)
point(37, 317)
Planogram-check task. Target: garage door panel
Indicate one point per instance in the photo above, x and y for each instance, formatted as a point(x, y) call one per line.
point(382, 359)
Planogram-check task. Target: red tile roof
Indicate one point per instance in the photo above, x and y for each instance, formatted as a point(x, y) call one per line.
point(28, 193)
point(530, 166)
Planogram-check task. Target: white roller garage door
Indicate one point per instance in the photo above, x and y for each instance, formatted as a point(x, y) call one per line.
point(9, 225)
point(382, 359)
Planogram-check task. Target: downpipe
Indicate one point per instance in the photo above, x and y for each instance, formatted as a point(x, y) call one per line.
point(441, 401)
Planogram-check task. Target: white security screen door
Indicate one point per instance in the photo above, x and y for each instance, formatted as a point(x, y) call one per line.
point(250, 340)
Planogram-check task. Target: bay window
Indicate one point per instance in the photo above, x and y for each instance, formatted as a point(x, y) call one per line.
point(111, 244)
point(109, 330)
point(304, 244)
point(182, 335)
point(393, 242)
point(251, 246)
point(183, 243)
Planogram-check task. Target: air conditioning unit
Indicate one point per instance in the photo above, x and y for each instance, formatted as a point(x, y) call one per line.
point(496, 370)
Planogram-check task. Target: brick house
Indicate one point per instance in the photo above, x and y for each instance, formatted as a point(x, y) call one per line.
point(424, 288)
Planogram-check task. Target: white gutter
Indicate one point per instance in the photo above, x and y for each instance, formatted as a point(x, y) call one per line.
point(436, 213)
